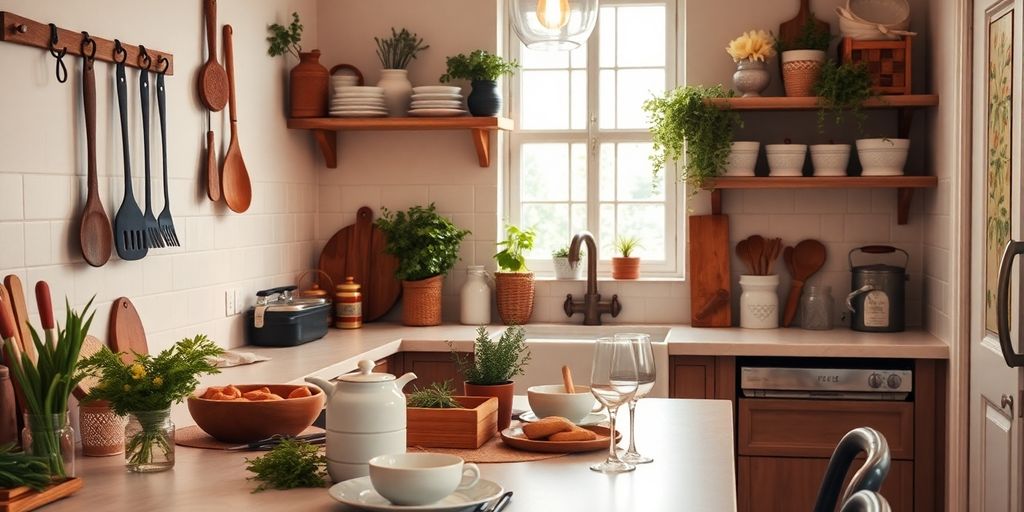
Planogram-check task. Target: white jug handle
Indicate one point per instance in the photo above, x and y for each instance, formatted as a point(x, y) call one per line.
point(473, 477)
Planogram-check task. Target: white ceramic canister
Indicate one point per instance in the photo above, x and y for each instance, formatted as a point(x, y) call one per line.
point(397, 91)
point(742, 158)
point(786, 159)
point(475, 297)
point(830, 159)
point(759, 303)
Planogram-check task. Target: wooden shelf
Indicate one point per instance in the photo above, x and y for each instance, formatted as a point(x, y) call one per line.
point(812, 102)
point(325, 130)
point(904, 185)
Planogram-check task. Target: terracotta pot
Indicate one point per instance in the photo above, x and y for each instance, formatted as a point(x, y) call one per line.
point(309, 86)
point(421, 304)
point(515, 296)
point(102, 430)
point(625, 268)
point(503, 392)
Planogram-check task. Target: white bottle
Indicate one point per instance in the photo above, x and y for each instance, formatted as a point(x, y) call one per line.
point(476, 297)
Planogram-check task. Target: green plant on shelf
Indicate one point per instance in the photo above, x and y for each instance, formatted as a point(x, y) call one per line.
point(478, 65)
point(842, 88)
point(517, 242)
point(397, 51)
point(285, 39)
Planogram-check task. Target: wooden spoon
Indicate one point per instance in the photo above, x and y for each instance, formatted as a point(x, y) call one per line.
point(743, 251)
point(213, 80)
point(94, 234)
point(787, 256)
point(808, 258)
point(756, 243)
point(567, 380)
point(126, 332)
point(235, 184)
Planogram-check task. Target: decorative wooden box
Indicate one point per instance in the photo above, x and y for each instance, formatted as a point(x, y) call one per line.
point(467, 428)
point(23, 499)
point(887, 61)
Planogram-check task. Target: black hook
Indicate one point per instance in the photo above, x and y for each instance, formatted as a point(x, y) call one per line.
point(61, 69)
point(119, 50)
point(166, 62)
point(88, 41)
point(145, 58)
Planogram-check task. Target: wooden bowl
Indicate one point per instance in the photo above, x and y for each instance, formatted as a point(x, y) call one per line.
point(246, 422)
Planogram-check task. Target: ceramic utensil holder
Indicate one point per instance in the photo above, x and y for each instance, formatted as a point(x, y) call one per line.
point(759, 303)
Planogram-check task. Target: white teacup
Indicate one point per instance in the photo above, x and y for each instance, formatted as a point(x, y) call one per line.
point(420, 478)
point(552, 400)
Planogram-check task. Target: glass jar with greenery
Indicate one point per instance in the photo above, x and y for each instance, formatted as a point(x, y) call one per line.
point(482, 69)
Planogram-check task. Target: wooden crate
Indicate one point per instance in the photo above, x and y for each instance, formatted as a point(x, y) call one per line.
point(468, 428)
point(23, 499)
point(887, 61)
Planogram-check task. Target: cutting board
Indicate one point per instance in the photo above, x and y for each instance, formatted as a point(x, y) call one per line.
point(790, 30)
point(126, 332)
point(357, 251)
point(710, 282)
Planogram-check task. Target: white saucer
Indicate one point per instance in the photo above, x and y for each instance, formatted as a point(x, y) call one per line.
point(359, 114)
point(593, 418)
point(358, 492)
point(437, 112)
point(435, 96)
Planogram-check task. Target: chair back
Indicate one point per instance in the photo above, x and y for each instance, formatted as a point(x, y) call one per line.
point(870, 475)
point(866, 501)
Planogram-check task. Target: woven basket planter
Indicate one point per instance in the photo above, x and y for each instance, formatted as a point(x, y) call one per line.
point(422, 302)
point(515, 296)
point(800, 70)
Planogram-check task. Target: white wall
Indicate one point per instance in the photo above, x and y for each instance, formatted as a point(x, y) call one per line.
point(179, 292)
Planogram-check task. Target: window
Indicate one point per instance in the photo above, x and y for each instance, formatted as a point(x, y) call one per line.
point(579, 156)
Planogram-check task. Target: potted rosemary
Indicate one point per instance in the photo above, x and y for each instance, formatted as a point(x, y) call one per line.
point(144, 390)
point(489, 372)
point(626, 266)
point(513, 282)
point(483, 70)
point(308, 79)
point(395, 54)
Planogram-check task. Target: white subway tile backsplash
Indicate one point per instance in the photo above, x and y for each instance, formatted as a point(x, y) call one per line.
point(820, 201)
point(48, 196)
point(868, 228)
point(858, 200)
point(38, 242)
point(11, 197)
point(12, 245)
point(402, 197)
point(767, 201)
point(485, 199)
point(452, 198)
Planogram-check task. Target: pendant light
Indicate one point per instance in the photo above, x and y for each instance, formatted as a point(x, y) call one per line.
point(553, 24)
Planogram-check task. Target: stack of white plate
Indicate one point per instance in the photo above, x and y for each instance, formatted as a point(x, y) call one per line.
point(344, 81)
point(358, 101)
point(436, 101)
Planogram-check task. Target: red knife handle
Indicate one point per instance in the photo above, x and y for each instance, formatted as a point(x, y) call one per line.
point(45, 305)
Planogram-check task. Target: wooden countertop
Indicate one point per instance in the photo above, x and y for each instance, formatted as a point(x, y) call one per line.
point(691, 441)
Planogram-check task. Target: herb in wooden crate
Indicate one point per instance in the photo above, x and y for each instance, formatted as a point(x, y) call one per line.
point(439, 395)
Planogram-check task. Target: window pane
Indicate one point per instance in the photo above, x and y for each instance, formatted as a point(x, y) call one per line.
point(545, 100)
point(606, 41)
point(579, 100)
point(607, 171)
point(633, 87)
point(540, 59)
point(606, 233)
point(606, 98)
point(635, 180)
point(579, 218)
point(545, 172)
point(579, 172)
point(646, 222)
point(551, 222)
point(578, 57)
point(640, 36)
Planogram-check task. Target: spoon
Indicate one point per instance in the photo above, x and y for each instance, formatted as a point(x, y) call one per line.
point(756, 244)
point(213, 80)
point(807, 258)
point(94, 234)
point(236, 187)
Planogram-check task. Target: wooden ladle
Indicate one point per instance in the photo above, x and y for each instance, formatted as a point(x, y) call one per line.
point(807, 258)
point(94, 233)
point(213, 80)
point(236, 187)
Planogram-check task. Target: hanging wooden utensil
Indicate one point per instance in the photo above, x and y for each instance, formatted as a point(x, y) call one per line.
point(94, 234)
point(127, 335)
point(212, 170)
point(808, 258)
point(235, 185)
point(357, 251)
point(212, 79)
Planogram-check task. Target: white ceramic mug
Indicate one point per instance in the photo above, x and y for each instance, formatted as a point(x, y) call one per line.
point(552, 400)
point(420, 478)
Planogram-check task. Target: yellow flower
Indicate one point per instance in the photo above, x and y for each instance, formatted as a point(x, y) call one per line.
point(138, 371)
point(753, 45)
point(127, 388)
point(158, 381)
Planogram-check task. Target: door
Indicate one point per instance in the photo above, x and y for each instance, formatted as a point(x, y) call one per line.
point(995, 426)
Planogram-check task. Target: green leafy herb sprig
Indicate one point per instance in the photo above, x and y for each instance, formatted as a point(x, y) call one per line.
point(285, 39)
point(397, 51)
point(288, 465)
point(843, 88)
point(512, 258)
point(563, 252)
point(439, 395)
point(494, 362)
point(425, 243)
point(21, 469)
point(478, 65)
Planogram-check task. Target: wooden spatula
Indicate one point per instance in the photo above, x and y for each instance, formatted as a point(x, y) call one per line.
point(12, 349)
point(808, 258)
point(126, 332)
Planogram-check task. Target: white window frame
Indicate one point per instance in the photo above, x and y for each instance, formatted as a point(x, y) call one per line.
point(593, 136)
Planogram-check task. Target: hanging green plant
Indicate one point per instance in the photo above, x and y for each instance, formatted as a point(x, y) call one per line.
point(842, 88)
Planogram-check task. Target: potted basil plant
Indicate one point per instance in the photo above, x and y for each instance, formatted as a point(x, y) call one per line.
point(803, 56)
point(489, 372)
point(483, 69)
point(513, 282)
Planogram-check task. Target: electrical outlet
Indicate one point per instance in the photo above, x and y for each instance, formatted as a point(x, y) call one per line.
point(238, 302)
point(230, 305)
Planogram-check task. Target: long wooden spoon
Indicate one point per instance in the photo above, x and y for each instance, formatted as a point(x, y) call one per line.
point(213, 80)
point(236, 186)
point(756, 247)
point(94, 234)
point(808, 258)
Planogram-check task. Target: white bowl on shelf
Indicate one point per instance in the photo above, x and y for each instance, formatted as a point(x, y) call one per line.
point(742, 159)
point(830, 159)
point(786, 159)
point(882, 157)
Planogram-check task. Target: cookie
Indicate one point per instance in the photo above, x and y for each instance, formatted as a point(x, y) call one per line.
point(577, 434)
point(546, 427)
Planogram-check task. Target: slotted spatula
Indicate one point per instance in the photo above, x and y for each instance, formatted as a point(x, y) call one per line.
point(166, 223)
point(129, 224)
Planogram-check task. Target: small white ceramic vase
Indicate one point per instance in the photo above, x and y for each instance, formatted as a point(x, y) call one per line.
point(786, 159)
point(759, 303)
point(475, 297)
point(565, 271)
point(397, 91)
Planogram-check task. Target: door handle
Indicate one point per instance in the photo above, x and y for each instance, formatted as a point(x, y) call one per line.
point(1013, 249)
point(1006, 402)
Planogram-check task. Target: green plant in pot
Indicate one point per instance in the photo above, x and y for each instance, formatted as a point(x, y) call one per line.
point(563, 270)
point(493, 365)
point(427, 247)
point(682, 121)
point(308, 79)
point(513, 282)
point(626, 266)
point(842, 88)
point(395, 54)
point(483, 70)
point(803, 56)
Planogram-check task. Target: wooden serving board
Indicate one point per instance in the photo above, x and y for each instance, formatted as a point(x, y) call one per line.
point(127, 334)
point(710, 282)
point(21, 499)
point(357, 251)
point(790, 30)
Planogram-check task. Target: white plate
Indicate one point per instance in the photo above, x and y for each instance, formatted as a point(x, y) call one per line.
point(361, 88)
point(358, 95)
point(437, 112)
point(436, 104)
point(455, 97)
point(358, 492)
point(359, 102)
point(358, 113)
point(594, 418)
point(437, 89)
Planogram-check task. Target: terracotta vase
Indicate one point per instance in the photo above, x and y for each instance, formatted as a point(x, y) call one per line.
point(625, 268)
point(309, 86)
point(503, 392)
point(421, 303)
point(515, 292)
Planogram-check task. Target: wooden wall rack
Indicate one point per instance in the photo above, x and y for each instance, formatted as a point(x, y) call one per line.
point(21, 30)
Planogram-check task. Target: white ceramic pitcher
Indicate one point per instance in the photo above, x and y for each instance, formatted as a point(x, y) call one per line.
point(365, 418)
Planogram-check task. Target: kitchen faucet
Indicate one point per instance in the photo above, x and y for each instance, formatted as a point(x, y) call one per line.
point(591, 306)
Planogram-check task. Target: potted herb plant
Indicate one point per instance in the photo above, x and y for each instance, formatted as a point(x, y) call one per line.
point(308, 79)
point(751, 52)
point(803, 57)
point(563, 270)
point(437, 418)
point(513, 282)
point(489, 372)
point(483, 69)
point(395, 54)
point(683, 121)
point(626, 266)
point(145, 389)
point(427, 247)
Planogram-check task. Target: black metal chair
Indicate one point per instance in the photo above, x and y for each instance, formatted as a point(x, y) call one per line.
point(866, 501)
point(870, 475)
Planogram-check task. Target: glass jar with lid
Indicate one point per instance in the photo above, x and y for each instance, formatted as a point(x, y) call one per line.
point(817, 308)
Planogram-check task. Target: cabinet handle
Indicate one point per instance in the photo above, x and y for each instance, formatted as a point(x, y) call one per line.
point(1006, 402)
point(1012, 357)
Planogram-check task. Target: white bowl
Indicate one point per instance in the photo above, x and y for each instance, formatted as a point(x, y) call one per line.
point(742, 159)
point(786, 159)
point(830, 159)
point(882, 157)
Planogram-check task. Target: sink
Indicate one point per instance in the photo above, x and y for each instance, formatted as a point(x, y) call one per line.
point(591, 332)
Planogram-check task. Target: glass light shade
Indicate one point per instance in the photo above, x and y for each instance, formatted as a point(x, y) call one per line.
point(553, 24)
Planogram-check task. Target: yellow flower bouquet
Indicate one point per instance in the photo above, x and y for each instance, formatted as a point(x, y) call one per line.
point(755, 45)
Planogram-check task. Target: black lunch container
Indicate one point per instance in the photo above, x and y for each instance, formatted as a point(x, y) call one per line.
point(280, 320)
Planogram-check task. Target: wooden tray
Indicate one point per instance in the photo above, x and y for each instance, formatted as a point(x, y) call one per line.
point(514, 437)
point(21, 499)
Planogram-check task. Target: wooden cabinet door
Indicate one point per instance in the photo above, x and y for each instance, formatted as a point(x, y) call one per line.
point(692, 377)
point(430, 367)
point(790, 484)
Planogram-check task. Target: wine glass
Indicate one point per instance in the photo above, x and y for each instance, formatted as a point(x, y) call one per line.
point(645, 373)
point(613, 381)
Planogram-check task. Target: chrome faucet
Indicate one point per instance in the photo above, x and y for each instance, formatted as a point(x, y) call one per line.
point(591, 306)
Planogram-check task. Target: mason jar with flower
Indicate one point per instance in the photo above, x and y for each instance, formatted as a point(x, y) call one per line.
point(751, 52)
point(144, 388)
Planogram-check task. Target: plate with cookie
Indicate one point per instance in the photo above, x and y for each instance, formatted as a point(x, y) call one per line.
point(555, 434)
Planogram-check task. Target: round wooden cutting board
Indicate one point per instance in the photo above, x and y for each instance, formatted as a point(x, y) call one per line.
point(357, 251)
